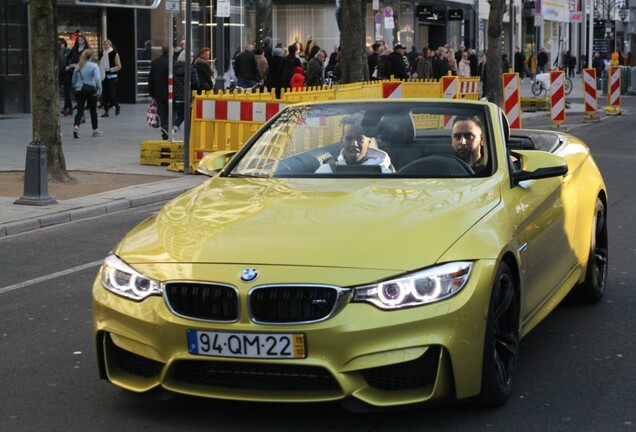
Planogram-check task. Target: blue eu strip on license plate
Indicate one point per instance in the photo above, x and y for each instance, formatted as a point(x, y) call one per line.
point(247, 345)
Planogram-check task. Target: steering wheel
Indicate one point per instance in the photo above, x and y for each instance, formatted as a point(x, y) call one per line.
point(443, 165)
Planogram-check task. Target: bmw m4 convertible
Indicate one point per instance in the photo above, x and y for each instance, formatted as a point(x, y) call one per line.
point(372, 252)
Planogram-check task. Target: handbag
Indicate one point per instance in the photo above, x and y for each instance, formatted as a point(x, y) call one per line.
point(152, 117)
point(87, 89)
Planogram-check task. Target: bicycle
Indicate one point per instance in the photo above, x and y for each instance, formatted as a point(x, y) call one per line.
point(542, 84)
point(330, 79)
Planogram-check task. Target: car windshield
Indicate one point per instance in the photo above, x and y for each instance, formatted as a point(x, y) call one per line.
point(371, 139)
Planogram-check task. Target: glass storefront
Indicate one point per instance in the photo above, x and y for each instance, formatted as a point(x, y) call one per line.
point(14, 58)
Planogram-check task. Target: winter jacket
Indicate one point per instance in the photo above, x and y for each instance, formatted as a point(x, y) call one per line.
point(298, 79)
point(314, 73)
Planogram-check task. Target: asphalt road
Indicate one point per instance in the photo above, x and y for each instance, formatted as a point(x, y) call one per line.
point(577, 370)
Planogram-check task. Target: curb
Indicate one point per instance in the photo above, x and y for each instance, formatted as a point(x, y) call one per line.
point(113, 203)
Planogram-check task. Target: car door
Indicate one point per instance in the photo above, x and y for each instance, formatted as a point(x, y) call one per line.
point(547, 257)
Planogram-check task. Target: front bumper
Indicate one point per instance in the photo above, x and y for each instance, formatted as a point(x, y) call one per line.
point(382, 358)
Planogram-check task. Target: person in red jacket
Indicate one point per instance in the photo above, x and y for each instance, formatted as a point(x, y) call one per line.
point(298, 79)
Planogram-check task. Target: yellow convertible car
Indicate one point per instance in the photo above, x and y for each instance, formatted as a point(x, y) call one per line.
point(377, 253)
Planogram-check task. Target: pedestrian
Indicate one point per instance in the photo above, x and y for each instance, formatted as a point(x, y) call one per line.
point(599, 65)
point(395, 63)
point(86, 74)
point(463, 68)
point(314, 69)
point(412, 58)
point(505, 64)
point(158, 88)
point(519, 63)
point(542, 60)
point(483, 73)
point(571, 64)
point(452, 63)
point(275, 77)
point(179, 89)
point(65, 76)
point(262, 63)
point(204, 70)
point(532, 66)
point(246, 68)
point(298, 78)
point(372, 60)
point(79, 46)
point(109, 65)
point(383, 64)
point(440, 63)
point(424, 68)
point(267, 49)
point(474, 62)
point(289, 65)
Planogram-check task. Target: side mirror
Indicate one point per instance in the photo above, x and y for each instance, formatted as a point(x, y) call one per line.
point(214, 162)
point(536, 164)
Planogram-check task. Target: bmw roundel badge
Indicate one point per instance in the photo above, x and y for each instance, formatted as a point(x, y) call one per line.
point(249, 275)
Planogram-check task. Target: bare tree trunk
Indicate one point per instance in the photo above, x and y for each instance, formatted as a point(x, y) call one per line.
point(45, 85)
point(494, 85)
point(353, 56)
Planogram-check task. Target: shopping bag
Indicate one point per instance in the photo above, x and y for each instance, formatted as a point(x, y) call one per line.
point(151, 115)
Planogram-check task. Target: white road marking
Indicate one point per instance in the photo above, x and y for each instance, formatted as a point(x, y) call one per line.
point(50, 277)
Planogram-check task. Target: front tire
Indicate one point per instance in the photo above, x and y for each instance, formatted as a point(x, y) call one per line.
point(593, 287)
point(501, 344)
point(537, 88)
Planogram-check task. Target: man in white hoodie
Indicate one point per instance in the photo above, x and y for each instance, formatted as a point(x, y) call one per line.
point(356, 150)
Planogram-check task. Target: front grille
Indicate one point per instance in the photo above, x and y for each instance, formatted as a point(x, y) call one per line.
point(288, 304)
point(203, 301)
point(135, 364)
point(254, 376)
point(405, 376)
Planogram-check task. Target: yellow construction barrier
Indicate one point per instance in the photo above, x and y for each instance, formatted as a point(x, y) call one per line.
point(225, 121)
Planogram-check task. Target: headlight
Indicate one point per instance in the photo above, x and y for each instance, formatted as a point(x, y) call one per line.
point(426, 286)
point(120, 278)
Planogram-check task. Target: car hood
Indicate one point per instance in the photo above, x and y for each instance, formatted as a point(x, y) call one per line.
point(396, 224)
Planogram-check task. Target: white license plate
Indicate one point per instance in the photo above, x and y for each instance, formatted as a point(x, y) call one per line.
point(249, 345)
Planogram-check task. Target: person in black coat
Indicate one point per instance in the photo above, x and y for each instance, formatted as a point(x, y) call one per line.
point(519, 62)
point(440, 63)
point(395, 63)
point(474, 62)
point(275, 76)
point(372, 59)
point(158, 88)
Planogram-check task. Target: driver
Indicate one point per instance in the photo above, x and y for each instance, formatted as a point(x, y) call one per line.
point(356, 149)
point(467, 141)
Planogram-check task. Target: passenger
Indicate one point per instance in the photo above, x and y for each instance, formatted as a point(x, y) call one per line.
point(356, 150)
point(467, 141)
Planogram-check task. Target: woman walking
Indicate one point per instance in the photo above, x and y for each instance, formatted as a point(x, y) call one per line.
point(109, 65)
point(88, 86)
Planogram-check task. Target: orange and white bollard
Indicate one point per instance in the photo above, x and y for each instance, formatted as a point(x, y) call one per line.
point(590, 95)
point(512, 99)
point(614, 91)
point(557, 97)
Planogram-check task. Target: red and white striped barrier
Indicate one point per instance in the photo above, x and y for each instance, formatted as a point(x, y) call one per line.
point(590, 91)
point(614, 93)
point(557, 97)
point(468, 87)
point(512, 99)
point(236, 110)
point(392, 90)
point(449, 87)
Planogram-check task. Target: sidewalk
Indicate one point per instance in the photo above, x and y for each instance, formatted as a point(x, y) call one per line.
point(117, 151)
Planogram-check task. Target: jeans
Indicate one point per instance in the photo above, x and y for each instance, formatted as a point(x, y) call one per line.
point(178, 114)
